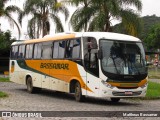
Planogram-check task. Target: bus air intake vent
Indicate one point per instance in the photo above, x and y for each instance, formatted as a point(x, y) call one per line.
point(127, 87)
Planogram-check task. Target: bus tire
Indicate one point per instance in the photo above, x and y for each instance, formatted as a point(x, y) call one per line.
point(115, 100)
point(30, 87)
point(78, 93)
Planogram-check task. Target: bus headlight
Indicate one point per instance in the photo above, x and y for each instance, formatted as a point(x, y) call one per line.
point(145, 85)
point(107, 84)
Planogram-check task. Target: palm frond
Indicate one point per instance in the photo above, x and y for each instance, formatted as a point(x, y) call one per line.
point(57, 22)
point(81, 17)
point(135, 3)
point(131, 22)
point(98, 23)
point(46, 9)
point(103, 12)
point(31, 28)
point(73, 2)
point(12, 22)
point(59, 7)
point(13, 8)
point(35, 26)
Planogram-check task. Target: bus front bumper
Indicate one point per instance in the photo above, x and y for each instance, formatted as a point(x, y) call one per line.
point(116, 92)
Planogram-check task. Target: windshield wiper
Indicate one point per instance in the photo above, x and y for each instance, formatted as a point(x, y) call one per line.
point(137, 69)
point(115, 65)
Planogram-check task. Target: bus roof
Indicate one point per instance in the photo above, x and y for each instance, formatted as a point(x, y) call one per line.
point(110, 36)
point(72, 35)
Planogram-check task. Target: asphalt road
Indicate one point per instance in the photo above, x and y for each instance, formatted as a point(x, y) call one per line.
point(20, 100)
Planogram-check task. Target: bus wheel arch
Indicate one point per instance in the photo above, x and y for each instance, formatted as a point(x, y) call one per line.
point(72, 86)
point(30, 87)
point(75, 88)
point(27, 76)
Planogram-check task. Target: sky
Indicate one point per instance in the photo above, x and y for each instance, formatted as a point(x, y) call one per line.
point(150, 7)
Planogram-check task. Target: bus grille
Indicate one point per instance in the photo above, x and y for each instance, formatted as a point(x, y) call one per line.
point(123, 93)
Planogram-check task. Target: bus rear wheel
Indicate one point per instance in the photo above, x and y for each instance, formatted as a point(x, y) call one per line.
point(30, 87)
point(115, 100)
point(78, 93)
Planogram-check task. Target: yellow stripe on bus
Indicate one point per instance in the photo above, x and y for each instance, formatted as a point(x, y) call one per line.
point(129, 85)
point(61, 69)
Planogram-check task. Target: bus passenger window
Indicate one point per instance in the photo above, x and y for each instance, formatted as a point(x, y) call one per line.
point(14, 53)
point(47, 50)
point(69, 49)
point(73, 49)
point(55, 49)
point(61, 49)
point(37, 51)
point(29, 51)
point(76, 49)
point(21, 51)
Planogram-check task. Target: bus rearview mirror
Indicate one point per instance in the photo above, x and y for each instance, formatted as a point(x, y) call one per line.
point(100, 54)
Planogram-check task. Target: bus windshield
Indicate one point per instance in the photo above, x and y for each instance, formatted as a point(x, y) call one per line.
point(122, 57)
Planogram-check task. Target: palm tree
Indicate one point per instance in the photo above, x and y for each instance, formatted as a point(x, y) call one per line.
point(97, 15)
point(43, 11)
point(80, 22)
point(6, 13)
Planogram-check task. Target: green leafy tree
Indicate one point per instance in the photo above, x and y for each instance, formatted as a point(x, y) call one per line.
point(6, 13)
point(147, 23)
point(97, 15)
point(43, 11)
point(152, 41)
point(5, 42)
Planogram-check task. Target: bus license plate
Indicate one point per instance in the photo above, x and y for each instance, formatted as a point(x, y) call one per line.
point(128, 93)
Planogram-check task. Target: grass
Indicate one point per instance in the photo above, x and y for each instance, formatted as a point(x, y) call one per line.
point(4, 79)
point(3, 94)
point(153, 91)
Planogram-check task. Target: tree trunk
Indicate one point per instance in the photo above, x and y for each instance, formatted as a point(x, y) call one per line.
point(44, 29)
point(107, 26)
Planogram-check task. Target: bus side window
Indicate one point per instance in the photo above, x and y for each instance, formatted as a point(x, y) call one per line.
point(61, 49)
point(37, 51)
point(47, 50)
point(69, 49)
point(29, 51)
point(14, 53)
point(55, 49)
point(73, 49)
point(76, 48)
point(21, 51)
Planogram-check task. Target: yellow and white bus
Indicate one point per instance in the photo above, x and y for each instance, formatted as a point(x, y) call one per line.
point(96, 64)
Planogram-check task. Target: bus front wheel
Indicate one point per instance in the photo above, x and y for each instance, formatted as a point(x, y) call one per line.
point(78, 92)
